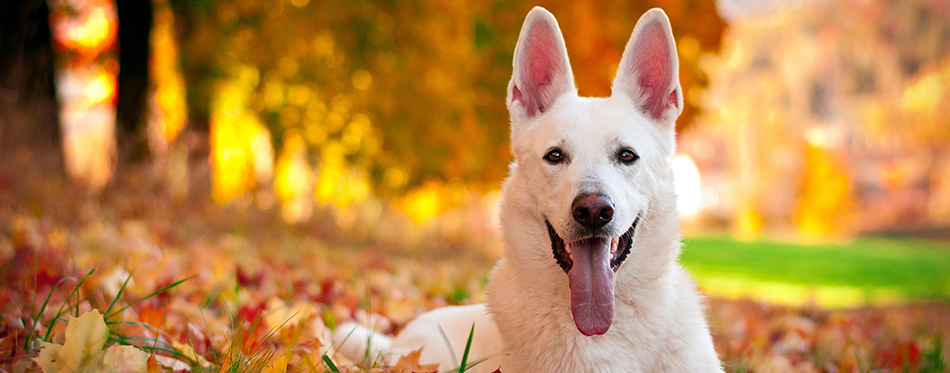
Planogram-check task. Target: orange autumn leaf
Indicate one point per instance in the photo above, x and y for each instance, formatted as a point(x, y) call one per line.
point(409, 363)
point(152, 364)
point(152, 315)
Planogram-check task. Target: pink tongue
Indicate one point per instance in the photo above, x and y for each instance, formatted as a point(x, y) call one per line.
point(592, 286)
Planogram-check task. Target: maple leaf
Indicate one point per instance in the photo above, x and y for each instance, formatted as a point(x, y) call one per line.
point(82, 351)
point(48, 358)
point(85, 336)
point(409, 363)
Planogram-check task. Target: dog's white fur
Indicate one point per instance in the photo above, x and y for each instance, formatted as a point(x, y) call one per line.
point(527, 326)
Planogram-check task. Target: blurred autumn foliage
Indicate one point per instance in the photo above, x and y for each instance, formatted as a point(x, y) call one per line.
point(830, 119)
point(816, 120)
point(394, 94)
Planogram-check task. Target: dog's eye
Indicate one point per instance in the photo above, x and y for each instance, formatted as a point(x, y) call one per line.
point(627, 156)
point(554, 156)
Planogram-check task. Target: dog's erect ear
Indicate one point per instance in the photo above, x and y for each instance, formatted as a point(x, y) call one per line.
point(542, 71)
point(649, 70)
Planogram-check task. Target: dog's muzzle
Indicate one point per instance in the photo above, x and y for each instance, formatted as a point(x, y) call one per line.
point(590, 264)
point(563, 257)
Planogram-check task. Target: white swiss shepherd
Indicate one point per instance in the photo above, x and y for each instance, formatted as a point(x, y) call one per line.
point(589, 280)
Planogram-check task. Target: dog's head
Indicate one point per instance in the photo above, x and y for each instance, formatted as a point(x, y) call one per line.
point(593, 166)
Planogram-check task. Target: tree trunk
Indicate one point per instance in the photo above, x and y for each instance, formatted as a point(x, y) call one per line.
point(135, 22)
point(29, 113)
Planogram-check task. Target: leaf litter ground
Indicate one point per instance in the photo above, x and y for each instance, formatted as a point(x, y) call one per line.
point(261, 295)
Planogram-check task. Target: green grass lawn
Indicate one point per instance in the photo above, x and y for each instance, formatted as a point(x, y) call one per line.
point(866, 270)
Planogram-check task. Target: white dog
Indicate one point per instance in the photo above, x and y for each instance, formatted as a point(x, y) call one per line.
point(589, 280)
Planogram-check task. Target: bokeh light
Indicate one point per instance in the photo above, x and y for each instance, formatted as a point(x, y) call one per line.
point(85, 32)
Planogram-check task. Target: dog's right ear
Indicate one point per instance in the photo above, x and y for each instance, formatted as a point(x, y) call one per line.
point(542, 71)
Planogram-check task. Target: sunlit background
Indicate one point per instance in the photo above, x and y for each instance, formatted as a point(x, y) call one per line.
point(804, 119)
point(808, 124)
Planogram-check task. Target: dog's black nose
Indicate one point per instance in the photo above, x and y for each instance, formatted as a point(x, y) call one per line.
point(593, 210)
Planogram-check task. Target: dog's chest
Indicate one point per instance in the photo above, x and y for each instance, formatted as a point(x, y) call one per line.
point(604, 353)
point(545, 339)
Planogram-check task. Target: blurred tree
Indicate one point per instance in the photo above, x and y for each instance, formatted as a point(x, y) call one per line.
point(28, 106)
point(401, 93)
point(823, 108)
point(195, 28)
point(135, 22)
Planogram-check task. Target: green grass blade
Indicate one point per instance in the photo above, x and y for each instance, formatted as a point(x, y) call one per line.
point(118, 294)
point(168, 349)
point(136, 323)
point(333, 368)
point(468, 346)
point(36, 318)
point(214, 352)
point(127, 339)
point(154, 293)
point(336, 349)
point(49, 328)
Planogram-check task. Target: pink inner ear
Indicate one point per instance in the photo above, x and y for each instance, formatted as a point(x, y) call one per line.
point(516, 95)
point(540, 61)
point(653, 69)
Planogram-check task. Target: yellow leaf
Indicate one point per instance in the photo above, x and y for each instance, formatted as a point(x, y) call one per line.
point(409, 363)
point(189, 351)
point(286, 314)
point(48, 359)
point(278, 364)
point(85, 336)
point(119, 358)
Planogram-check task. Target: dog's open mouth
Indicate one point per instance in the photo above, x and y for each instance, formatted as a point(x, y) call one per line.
point(590, 264)
point(619, 247)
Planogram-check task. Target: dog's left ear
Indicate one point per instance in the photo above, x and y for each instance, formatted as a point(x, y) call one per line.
point(649, 69)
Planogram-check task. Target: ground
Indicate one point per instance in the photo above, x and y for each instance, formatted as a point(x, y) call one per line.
point(193, 285)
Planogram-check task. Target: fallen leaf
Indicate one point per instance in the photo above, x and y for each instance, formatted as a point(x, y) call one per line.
point(409, 363)
point(119, 358)
point(48, 359)
point(170, 363)
point(85, 336)
point(82, 350)
point(278, 364)
point(152, 364)
point(189, 351)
